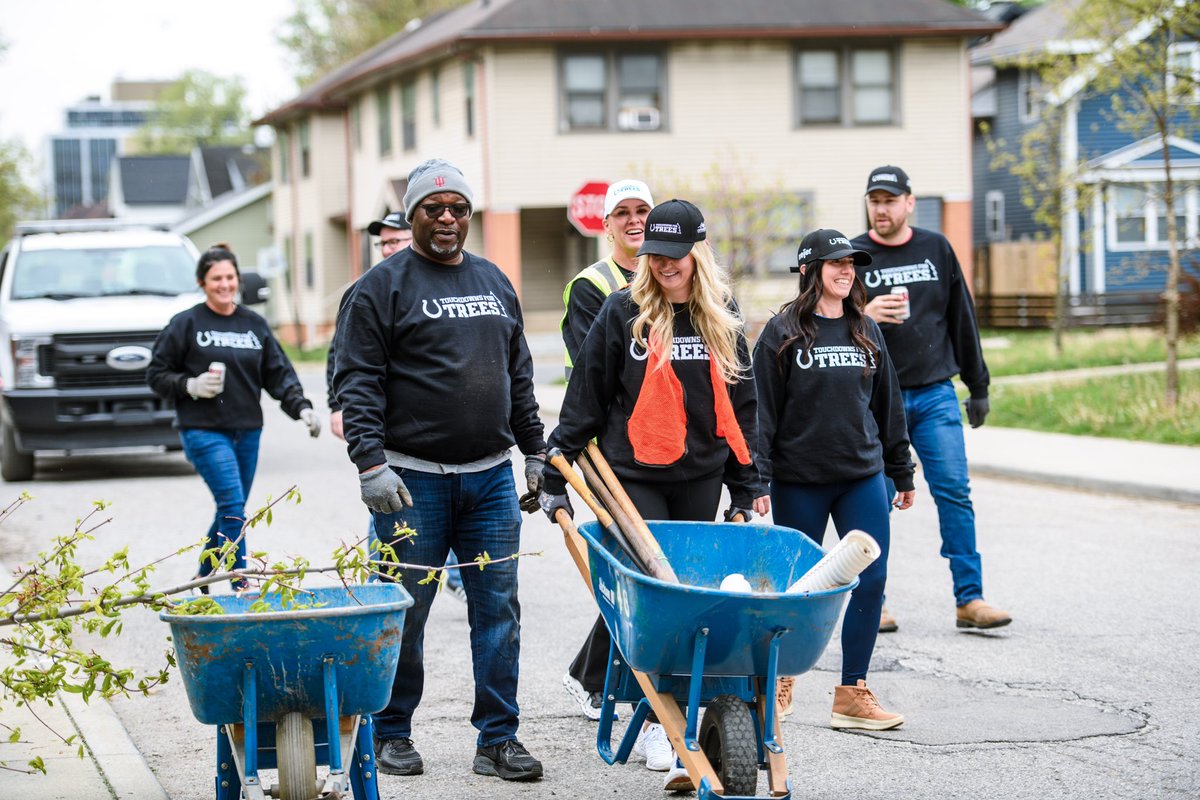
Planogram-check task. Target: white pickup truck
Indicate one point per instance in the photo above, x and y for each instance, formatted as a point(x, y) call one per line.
point(80, 308)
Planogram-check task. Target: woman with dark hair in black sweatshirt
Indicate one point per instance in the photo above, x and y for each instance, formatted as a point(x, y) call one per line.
point(831, 425)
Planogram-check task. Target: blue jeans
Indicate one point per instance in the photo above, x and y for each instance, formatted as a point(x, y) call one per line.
point(854, 505)
point(935, 429)
point(226, 460)
point(472, 513)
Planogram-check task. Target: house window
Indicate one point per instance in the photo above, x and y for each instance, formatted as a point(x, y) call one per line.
point(1183, 71)
point(435, 96)
point(1029, 96)
point(408, 115)
point(612, 90)
point(383, 116)
point(846, 86)
point(1181, 215)
point(469, 95)
point(993, 216)
point(283, 143)
point(927, 213)
point(310, 269)
point(356, 125)
point(1127, 209)
point(305, 149)
point(787, 220)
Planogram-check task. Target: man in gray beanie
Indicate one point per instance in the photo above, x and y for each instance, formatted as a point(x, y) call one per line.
point(435, 175)
point(436, 386)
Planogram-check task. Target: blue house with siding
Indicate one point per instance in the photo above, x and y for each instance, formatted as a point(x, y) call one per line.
point(1117, 243)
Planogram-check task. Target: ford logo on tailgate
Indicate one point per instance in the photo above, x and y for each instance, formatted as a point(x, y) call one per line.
point(128, 358)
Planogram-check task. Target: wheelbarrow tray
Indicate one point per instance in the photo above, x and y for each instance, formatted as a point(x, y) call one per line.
point(654, 623)
point(358, 628)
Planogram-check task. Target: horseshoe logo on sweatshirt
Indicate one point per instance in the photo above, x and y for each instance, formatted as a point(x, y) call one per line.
point(639, 354)
point(436, 305)
point(801, 361)
point(872, 278)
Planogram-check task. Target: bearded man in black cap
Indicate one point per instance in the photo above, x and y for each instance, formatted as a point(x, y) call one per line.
point(436, 385)
point(918, 296)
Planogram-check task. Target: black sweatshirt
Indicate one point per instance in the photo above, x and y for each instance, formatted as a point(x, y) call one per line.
point(583, 304)
point(253, 360)
point(432, 363)
point(821, 418)
point(941, 338)
point(604, 388)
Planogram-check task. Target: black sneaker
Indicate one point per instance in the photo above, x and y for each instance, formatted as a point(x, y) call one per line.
point(508, 760)
point(399, 757)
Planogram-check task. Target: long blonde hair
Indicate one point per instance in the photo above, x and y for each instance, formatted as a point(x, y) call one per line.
point(710, 305)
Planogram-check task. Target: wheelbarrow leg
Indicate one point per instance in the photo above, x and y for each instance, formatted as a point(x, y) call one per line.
point(229, 785)
point(778, 782)
point(673, 722)
point(364, 782)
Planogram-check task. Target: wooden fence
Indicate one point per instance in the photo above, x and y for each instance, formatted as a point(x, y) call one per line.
point(1088, 310)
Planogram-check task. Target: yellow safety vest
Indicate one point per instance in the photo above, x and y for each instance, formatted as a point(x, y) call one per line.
point(606, 276)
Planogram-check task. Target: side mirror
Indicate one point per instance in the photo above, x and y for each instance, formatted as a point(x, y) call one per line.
point(254, 289)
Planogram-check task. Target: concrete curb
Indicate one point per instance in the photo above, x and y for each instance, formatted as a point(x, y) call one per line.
point(120, 763)
point(1087, 484)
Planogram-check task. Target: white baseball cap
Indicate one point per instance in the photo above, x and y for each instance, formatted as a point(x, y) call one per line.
point(624, 189)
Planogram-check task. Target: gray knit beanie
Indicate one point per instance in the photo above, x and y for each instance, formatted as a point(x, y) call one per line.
point(434, 176)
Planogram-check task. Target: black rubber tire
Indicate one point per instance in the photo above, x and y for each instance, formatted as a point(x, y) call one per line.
point(296, 756)
point(14, 465)
point(728, 740)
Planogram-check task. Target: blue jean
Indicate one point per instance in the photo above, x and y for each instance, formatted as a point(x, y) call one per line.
point(472, 513)
point(226, 460)
point(854, 505)
point(935, 429)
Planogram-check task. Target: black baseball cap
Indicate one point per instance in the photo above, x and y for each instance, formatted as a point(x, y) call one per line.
point(393, 220)
point(827, 244)
point(672, 228)
point(890, 179)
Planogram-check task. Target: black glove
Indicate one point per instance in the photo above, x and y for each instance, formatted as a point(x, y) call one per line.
point(977, 410)
point(535, 465)
point(733, 511)
point(551, 503)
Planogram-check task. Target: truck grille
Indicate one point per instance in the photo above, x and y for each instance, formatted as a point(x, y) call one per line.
point(76, 360)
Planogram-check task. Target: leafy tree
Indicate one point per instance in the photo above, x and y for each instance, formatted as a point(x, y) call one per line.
point(201, 109)
point(323, 34)
point(17, 199)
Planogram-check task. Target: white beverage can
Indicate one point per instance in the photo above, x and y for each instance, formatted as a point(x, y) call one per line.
point(903, 292)
point(218, 368)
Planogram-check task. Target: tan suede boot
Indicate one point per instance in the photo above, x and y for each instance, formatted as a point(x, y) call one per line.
point(978, 614)
point(783, 695)
point(887, 622)
point(857, 707)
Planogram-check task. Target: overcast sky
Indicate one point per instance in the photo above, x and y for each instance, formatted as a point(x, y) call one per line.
point(60, 51)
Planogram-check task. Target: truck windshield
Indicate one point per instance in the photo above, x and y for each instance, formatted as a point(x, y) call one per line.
point(103, 272)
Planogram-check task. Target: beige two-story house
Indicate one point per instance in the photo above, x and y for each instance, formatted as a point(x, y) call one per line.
point(534, 98)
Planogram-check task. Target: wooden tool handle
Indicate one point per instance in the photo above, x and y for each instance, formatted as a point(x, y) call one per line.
point(640, 537)
point(556, 458)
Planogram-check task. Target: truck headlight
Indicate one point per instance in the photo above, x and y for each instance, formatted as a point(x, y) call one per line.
point(26, 366)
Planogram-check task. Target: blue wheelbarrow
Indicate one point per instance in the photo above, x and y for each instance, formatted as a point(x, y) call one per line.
point(693, 644)
point(291, 689)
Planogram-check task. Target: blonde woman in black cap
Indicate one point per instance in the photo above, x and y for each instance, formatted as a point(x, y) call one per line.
point(663, 380)
point(831, 426)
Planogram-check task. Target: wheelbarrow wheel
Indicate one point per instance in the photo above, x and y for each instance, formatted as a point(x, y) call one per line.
point(297, 757)
point(729, 742)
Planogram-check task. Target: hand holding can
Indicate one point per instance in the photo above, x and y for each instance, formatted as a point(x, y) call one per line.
point(217, 369)
point(904, 313)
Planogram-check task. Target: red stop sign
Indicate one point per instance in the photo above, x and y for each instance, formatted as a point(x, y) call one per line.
point(586, 210)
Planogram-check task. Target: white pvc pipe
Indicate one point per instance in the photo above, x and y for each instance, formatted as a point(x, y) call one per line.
point(841, 565)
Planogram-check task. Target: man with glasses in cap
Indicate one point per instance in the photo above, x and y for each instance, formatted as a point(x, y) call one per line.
point(436, 384)
point(919, 297)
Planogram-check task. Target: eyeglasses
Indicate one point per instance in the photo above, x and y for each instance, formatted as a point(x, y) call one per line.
point(457, 210)
point(382, 243)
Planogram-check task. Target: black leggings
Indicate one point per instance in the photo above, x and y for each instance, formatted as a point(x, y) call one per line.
point(691, 501)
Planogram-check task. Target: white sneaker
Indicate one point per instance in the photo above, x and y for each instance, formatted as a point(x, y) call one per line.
point(678, 779)
point(589, 703)
point(653, 745)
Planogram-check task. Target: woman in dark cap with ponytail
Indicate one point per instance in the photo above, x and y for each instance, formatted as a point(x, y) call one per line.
point(831, 425)
point(214, 360)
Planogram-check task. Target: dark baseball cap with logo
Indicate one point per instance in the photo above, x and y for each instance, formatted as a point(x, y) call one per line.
point(827, 244)
point(890, 179)
point(393, 220)
point(672, 228)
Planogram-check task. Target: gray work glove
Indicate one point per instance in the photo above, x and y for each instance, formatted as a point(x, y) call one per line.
point(383, 491)
point(206, 385)
point(551, 503)
point(733, 511)
point(310, 418)
point(535, 465)
point(977, 410)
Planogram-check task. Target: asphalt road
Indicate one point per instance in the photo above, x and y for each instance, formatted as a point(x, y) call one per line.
point(1088, 694)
